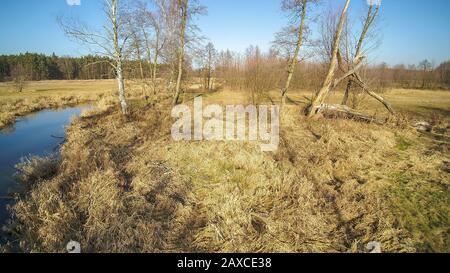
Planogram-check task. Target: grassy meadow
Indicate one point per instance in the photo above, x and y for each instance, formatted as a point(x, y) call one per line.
point(123, 185)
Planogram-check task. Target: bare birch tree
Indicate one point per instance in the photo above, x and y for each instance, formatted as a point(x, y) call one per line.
point(111, 41)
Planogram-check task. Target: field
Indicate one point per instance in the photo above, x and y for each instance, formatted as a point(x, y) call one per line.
point(123, 185)
point(416, 104)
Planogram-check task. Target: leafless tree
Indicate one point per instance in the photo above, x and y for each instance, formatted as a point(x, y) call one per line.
point(426, 67)
point(187, 37)
point(210, 55)
point(158, 23)
point(153, 24)
point(356, 64)
point(443, 71)
point(328, 82)
point(253, 72)
point(183, 6)
point(350, 72)
point(369, 20)
point(293, 36)
point(111, 41)
point(133, 25)
point(18, 78)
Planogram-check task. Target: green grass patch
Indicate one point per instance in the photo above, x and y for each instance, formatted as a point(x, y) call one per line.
point(403, 143)
point(423, 208)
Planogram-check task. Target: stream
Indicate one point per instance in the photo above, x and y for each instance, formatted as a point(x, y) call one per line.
point(38, 134)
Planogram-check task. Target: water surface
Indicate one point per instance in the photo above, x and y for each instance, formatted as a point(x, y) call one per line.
point(37, 134)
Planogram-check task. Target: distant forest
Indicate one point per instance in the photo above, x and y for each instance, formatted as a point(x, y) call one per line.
point(38, 67)
point(228, 66)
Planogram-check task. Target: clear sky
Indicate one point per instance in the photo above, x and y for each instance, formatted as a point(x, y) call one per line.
point(412, 29)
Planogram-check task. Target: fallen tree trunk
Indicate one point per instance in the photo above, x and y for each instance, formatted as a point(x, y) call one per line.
point(343, 109)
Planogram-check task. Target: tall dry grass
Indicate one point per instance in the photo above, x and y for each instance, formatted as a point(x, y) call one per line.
point(333, 186)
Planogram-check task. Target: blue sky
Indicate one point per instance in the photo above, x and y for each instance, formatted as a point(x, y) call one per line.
point(412, 29)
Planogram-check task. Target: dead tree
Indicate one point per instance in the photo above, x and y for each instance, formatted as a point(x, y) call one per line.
point(374, 8)
point(350, 73)
point(369, 20)
point(320, 96)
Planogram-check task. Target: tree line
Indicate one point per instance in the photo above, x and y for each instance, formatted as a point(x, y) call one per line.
point(259, 71)
point(39, 67)
point(232, 68)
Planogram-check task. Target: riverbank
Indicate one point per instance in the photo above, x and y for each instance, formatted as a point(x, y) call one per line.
point(333, 186)
point(39, 134)
point(49, 95)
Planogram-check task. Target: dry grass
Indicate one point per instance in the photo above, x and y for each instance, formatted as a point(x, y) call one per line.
point(33, 170)
point(416, 104)
point(54, 94)
point(333, 186)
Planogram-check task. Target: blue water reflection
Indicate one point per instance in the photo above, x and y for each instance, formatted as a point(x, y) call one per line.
point(38, 134)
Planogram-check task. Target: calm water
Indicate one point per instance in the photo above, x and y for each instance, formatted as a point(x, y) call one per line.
point(38, 134)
